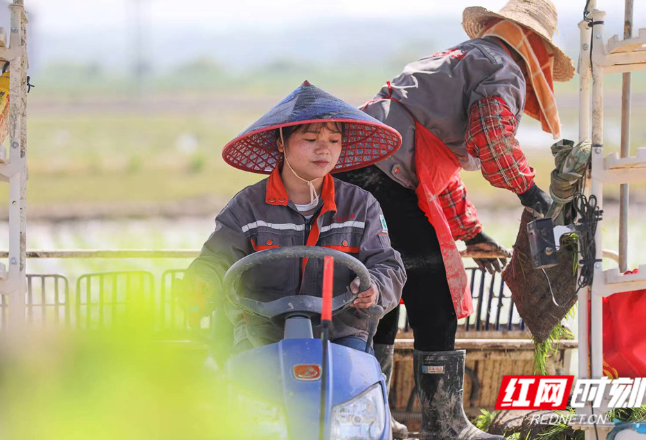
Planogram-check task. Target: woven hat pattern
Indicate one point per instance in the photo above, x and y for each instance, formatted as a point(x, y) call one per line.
point(365, 139)
point(540, 16)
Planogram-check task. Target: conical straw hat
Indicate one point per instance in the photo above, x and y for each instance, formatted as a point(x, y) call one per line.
point(365, 139)
point(539, 16)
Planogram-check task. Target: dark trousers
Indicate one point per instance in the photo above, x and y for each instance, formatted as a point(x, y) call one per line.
point(426, 294)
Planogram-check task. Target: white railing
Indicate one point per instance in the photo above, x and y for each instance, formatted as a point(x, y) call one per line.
point(494, 308)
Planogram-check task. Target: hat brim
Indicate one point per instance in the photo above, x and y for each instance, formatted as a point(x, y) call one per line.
point(476, 18)
point(364, 143)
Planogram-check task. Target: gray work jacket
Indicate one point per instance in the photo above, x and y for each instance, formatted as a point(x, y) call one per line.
point(439, 91)
point(262, 216)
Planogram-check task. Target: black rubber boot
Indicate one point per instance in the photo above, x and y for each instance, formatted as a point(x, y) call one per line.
point(439, 378)
point(384, 354)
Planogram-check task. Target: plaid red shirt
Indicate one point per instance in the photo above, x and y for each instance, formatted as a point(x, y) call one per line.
point(459, 211)
point(490, 137)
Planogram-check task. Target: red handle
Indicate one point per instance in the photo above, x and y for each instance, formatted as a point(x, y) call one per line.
point(328, 283)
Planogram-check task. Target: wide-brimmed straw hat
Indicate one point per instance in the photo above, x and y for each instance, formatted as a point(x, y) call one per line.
point(540, 16)
point(365, 139)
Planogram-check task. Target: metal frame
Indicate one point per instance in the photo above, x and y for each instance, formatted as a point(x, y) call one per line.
point(14, 170)
point(104, 291)
point(41, 298)
point(110, 303)
point(596, 60)
point(488, 286)
point(172, 316)
point(47, 301)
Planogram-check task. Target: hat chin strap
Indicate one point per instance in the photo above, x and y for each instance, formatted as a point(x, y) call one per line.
point(310, 183)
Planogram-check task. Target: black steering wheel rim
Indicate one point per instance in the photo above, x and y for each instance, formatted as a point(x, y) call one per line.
point(306, 304)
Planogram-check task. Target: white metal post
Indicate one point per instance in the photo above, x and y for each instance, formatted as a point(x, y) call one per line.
point(587, 74)
point(584, 82)
point(584, 134)
point(596, 305)
point(16, 282)
point(615, 56)
point(624, 194)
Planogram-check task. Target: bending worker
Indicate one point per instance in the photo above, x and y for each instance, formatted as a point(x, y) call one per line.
point(458, 109)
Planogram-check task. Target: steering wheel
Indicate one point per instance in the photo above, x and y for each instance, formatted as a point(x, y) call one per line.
point(305, 305)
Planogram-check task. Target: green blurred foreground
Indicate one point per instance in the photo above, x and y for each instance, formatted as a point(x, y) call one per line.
point(112, 385)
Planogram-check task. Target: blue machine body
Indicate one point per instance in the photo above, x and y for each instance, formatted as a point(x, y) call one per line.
point(267, 373)
point(628, 431)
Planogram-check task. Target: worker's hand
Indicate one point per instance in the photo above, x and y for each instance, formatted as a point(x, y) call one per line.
point(364, 299)
point(483, 243)
point(197, 295)
point(536, 201)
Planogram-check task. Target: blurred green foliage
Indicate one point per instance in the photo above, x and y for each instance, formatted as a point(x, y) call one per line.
point(119, 384)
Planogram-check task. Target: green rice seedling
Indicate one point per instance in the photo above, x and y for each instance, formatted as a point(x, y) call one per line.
point(483, 421)
point(546, 349)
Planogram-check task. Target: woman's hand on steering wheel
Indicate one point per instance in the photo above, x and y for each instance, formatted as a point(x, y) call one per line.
point(197, 295)
point(366, 298)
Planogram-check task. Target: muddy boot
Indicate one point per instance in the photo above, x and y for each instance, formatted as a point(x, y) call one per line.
point(439, 378)
point(384, 354)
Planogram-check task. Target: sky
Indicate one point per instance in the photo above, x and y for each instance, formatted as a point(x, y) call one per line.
point(263, 13)
point(253, 32)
